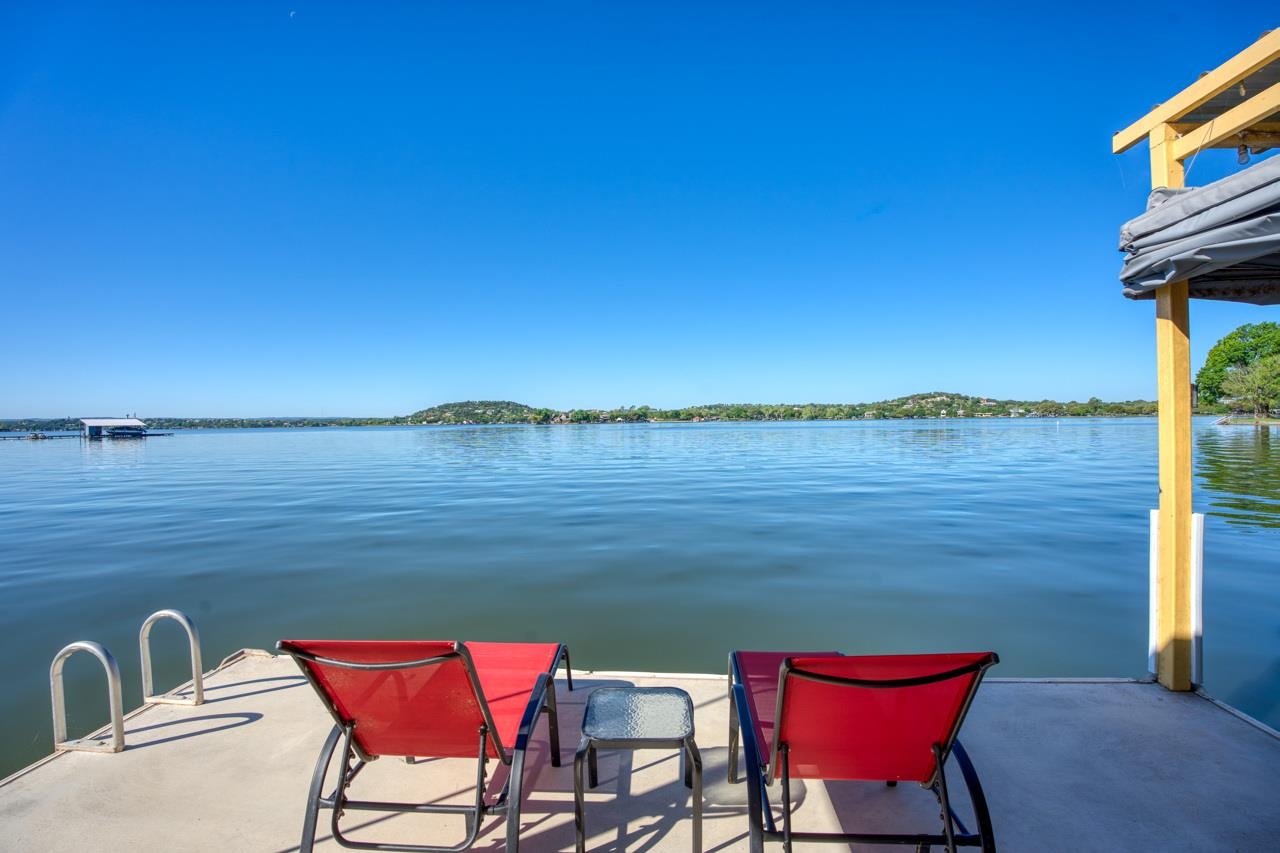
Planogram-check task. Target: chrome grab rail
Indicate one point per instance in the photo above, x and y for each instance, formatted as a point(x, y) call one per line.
point(60, 741)
point(197, 670)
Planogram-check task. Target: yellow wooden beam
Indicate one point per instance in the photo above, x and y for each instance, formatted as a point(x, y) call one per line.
point(1262, 52)
point(1174, 627)
point(1230, 124)
point(1263, 135)
point(1262, 127)
point(1166, 170)
point(1249, 139)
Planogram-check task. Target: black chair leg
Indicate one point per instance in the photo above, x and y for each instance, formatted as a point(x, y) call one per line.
point(553, 723)
point(733, 731)
point(316, 791)
point(515, 791)
point(977, 798)
point(755, 820)
point(568, 668)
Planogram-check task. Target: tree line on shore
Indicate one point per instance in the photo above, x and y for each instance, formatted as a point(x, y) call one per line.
point(1241, 374)
point(928, 405)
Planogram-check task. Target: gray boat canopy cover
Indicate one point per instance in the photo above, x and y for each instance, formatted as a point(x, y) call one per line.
point(1223, 239)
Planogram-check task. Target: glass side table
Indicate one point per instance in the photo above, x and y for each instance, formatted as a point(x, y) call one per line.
point(638, 718)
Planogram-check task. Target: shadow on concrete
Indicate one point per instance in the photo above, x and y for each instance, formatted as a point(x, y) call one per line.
point(617, 817)
point(240, 719)
point(292, 681)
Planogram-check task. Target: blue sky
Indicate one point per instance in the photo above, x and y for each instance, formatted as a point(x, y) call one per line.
point(268, 208)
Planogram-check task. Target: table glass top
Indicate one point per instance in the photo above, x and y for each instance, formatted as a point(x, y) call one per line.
point(638, 713)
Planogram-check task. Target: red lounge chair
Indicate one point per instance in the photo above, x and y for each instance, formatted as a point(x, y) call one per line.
point(884, 718)
point(428, 699)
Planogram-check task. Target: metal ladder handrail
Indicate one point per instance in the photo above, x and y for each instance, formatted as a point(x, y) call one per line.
point(197, 669)
point(114, 699)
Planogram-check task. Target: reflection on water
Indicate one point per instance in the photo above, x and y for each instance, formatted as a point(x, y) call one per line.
point(1238, 489)
point(1238, 470)
point(654, 547)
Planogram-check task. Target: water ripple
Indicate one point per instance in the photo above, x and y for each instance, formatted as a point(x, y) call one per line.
point(655, 547)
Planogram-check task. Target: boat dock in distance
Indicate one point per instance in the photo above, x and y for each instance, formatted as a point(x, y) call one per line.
point(97, 429)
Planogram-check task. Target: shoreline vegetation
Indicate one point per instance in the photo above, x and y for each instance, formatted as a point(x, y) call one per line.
point(1247, 420)
point(937, 405)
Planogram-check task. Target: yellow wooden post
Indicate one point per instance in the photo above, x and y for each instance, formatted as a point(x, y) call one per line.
point(1231, 105)
point(1173, 365)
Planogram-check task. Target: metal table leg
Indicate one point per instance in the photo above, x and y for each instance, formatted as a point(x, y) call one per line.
point(579, 822)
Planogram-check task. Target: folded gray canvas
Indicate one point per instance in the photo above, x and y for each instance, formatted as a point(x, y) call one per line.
point(1223, 239)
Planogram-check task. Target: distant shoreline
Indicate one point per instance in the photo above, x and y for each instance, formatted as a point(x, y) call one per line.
point(929, 405)
point(1247, 420)
point(274, 423)
point(197, 424)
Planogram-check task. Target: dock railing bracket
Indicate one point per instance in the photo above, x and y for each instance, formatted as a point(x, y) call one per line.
point(114, 699)
point(149, 697)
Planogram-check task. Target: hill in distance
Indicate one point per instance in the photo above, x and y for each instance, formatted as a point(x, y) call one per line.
point(477, 412)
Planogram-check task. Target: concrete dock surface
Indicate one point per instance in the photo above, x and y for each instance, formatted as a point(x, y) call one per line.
point(1067, 765)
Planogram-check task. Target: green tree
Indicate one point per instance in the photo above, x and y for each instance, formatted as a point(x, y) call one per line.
point(1242, 347)
point(1255, 385)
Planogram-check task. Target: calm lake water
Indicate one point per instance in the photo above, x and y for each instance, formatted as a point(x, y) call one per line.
point(644, 547)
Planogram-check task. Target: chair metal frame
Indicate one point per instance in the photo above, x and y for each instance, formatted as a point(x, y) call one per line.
point(760, 775)
point(354, 759)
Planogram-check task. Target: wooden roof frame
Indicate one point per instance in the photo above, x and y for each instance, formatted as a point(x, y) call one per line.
point(1224, 130)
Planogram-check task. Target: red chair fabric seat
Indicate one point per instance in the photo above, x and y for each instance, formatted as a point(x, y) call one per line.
point(428, 699)
point(884, 734)
point(759, 672)
point(881, 718)
point(418, 711)
point(508, 673)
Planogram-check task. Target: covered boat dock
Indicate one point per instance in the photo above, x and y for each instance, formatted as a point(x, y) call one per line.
point(100, 427)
